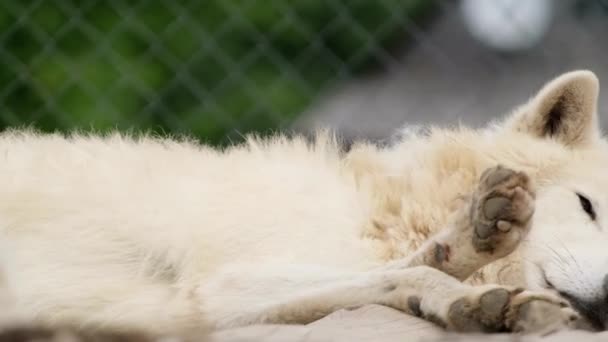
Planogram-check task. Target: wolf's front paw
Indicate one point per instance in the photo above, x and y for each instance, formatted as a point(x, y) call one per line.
point(540, 313)
point(501, 210)
point(493, 308)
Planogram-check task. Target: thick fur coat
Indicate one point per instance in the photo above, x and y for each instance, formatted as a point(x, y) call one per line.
point(168, 236)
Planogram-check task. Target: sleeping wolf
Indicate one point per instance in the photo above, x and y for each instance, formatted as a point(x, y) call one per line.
point(499, 229)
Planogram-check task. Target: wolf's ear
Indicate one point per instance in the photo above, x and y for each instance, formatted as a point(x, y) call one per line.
point(565, 109)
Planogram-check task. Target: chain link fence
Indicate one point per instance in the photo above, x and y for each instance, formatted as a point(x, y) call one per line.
point(215, 69)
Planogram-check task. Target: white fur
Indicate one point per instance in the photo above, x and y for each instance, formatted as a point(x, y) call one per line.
point(157, 233)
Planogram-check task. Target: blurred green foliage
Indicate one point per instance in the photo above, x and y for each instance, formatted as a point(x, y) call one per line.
point(208, 68)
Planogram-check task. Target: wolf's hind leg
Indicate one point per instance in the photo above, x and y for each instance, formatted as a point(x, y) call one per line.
point(495, 218)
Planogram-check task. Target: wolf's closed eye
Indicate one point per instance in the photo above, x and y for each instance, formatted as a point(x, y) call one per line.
point(587, 206)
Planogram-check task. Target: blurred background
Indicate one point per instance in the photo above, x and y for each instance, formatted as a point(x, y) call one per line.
point(218, 69)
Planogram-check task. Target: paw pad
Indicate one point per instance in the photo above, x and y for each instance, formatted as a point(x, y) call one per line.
point(496, 207)
point(504, 202)
point(497, 175)
point(485, 315)
point(493, 302)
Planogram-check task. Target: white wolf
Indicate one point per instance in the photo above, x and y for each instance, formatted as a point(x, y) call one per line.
point(156, 234)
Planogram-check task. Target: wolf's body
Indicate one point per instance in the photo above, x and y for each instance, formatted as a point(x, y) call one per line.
point(157, 234)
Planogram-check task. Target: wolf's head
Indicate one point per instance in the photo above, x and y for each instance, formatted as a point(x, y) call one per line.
point(567, 248)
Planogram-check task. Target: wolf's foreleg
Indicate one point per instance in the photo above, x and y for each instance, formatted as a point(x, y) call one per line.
point(421, 291)
point(491, 224)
